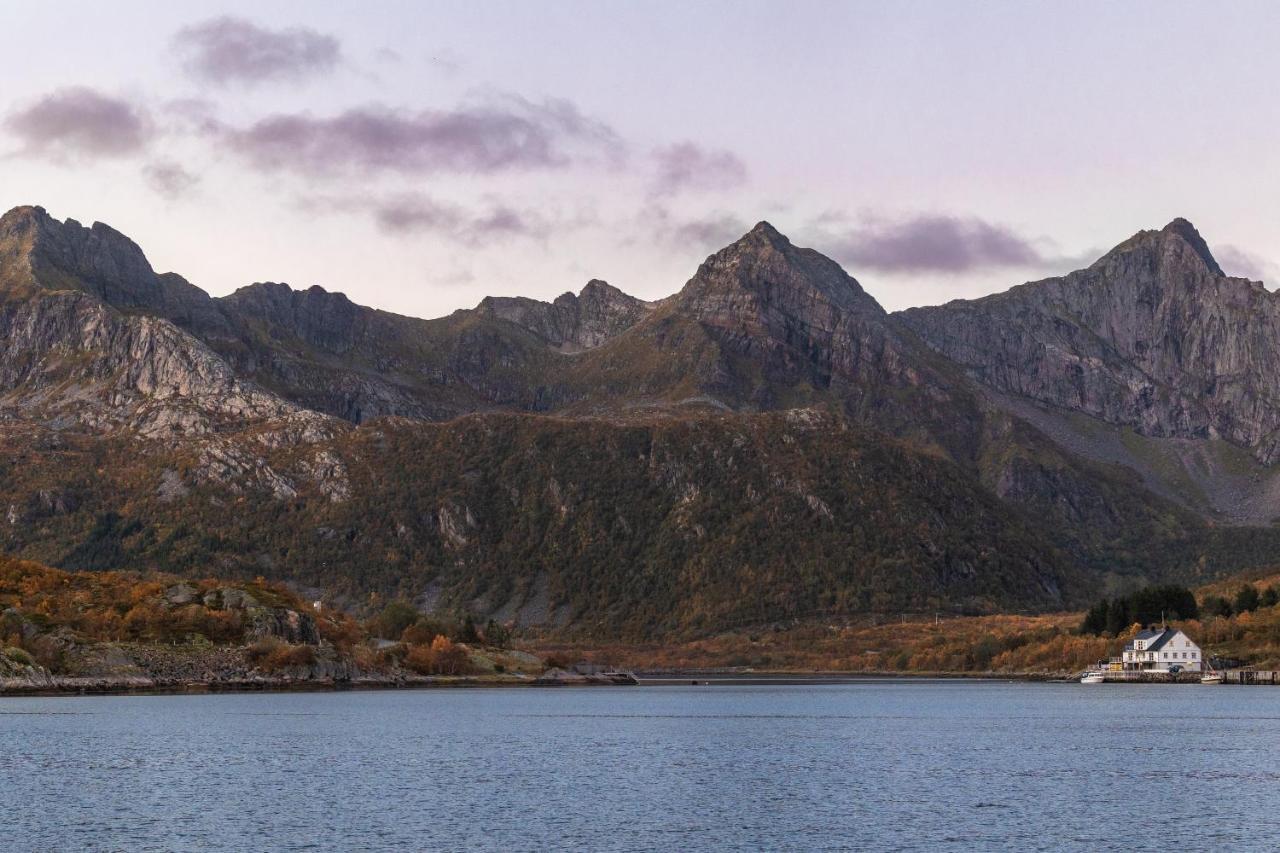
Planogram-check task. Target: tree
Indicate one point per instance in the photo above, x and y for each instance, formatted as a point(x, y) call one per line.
point(394, 619)
point(496, 635)
point(468, 633)
point(1149, 606)
point(1247, 599)
point(1216, 605)
point(1095, 621)
point(1270, 596)
point(1117, 617)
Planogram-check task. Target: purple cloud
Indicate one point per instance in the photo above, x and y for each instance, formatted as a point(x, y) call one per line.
point(934, 243)
point(169, 179)
point(414, 213)
point(508, 135)
point(80, 121)
point(417, 213)
point(686, 166)
point(233, 50)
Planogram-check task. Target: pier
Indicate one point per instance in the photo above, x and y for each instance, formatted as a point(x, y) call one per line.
point(1267, 677)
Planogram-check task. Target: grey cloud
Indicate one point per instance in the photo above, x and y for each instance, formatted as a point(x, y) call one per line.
point(417, 213)
point(1240, 262)
point(233, 50)
point(80, 121)
point(413, 213)
point(934, 243)
point(686, 166)
point(509, 134)
point(703, 233)
point(170, 179)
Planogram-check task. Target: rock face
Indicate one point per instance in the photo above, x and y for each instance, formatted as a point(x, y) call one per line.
point(37, 251)
point(796, 312)
point(1153, 336)
point(768, 428)
point(571, 323)
point(67, 354)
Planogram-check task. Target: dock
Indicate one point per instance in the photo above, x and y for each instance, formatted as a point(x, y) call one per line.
point(1251, 676)
point(1237, 677)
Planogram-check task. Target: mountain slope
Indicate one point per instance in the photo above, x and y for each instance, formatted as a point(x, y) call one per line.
point(767, 443)
point(582, 526)
point(1153, 336)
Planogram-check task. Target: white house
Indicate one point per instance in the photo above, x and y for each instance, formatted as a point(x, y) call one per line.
point(1161, 649)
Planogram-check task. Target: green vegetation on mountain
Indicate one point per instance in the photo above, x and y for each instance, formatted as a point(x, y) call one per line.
point(766, 444)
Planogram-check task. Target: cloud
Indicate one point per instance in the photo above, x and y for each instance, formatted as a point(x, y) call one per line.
point(686, 166)
point(230, 50)
point(703, 233)
point(1240, 262)
point(934, 243)
point(80, 122)
point(169, 179)
point(413, 213)
point(509, 134)
point(417, 213)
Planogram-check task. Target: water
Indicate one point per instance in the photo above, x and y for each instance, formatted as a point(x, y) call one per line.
point(880, 765)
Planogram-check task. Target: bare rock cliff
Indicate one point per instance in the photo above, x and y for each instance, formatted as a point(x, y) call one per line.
point(1153, 336)
point(572, 322)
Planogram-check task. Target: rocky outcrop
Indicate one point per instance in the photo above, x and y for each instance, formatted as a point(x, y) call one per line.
point(1152, 336)
point(283, 624)
point(327, 321)
point(66, 353)
point(571, 323)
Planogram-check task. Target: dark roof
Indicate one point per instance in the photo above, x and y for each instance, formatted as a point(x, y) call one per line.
point(1167, 635)
point(1158, 638)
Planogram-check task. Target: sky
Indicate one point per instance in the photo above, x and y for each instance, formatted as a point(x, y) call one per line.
point(419, 156)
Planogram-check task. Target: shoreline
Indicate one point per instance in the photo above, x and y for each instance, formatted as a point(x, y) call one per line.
point(101, 687)
point(72, 686)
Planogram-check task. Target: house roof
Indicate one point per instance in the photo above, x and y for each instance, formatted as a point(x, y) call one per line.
point(1158, 638)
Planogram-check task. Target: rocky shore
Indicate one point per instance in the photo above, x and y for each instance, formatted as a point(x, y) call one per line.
point(143, 668)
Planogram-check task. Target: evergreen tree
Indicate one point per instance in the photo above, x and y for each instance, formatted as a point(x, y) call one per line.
point(496, 635)
point(1117, 617)
point(1095, 621)
point(1247, 599)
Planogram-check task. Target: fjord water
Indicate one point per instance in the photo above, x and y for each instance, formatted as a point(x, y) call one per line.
point(885, 764)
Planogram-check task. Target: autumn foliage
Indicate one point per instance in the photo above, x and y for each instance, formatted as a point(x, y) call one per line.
point(441, 657)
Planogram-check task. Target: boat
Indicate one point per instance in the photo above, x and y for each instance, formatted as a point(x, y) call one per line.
point(1092, 676)
point(1211, 677)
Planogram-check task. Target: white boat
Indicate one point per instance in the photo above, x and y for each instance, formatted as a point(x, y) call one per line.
point(1092, 676)
point(1211, 677)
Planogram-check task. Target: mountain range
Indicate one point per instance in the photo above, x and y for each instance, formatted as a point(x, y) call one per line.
point(765, 444)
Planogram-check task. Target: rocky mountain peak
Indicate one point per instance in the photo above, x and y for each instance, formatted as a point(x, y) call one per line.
point(1187, 232)
point(572, 322)
point(68, 256)
point(37, 252)
point(765, 270)
point(1176, 249)
point(1153, 336)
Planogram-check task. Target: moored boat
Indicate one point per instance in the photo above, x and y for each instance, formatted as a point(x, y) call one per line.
point(1092, 676)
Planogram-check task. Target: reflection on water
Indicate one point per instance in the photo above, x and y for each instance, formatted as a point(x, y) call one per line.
point(877, 765)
